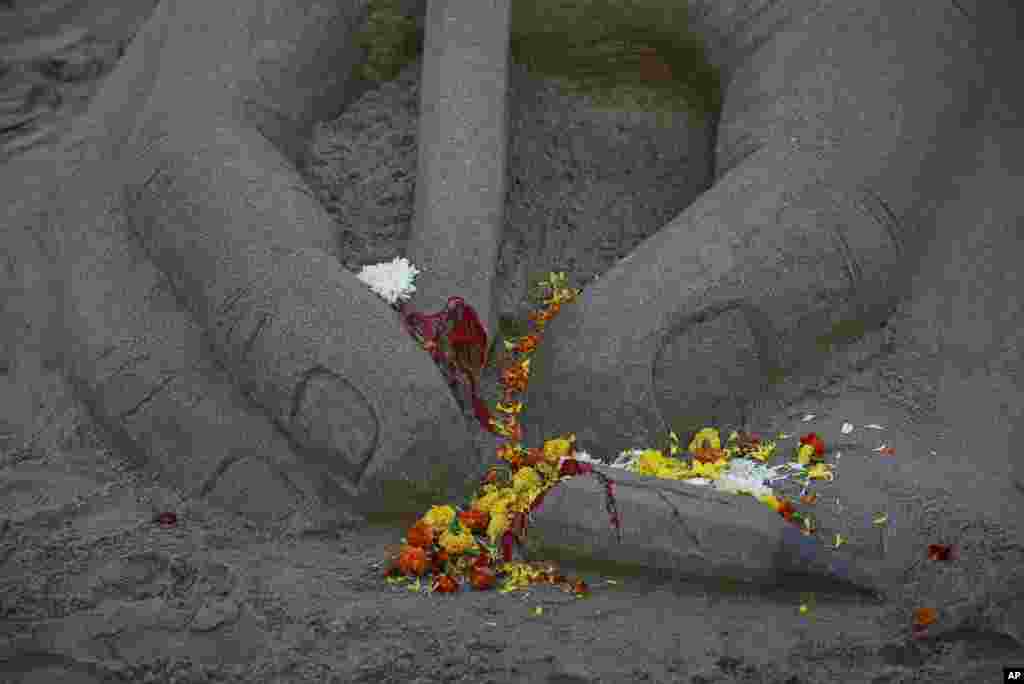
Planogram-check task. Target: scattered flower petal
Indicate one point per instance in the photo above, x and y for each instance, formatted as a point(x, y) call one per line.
point(809, 417)
point(821, 471)
point(874, 426)
point(167, 519)
point(942, 552)
point(847, 428)
point(925, 616)
point(812, 439)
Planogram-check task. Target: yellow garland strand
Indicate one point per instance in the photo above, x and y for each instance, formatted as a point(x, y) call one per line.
point(529, 482)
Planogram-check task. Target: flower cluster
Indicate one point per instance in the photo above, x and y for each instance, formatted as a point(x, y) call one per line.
point(460, 545)
point(454, 544)
point(393, 281)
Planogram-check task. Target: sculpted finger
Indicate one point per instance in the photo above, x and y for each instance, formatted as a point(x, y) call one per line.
point(805, 244)
point(253, 290)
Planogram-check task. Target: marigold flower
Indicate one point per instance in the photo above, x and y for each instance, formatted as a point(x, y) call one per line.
point(438, 560)
point(548, 471)
point(821, 471)
point(487, 501)
point(521, 498)
point(709, 470)
point(786, 510)
point(650, 460)
point(507, 451)
point(526, 478)
point(445, 584)
point(482, 577)
point(709, 454)
point(421, 534)
point(499, 520)
point(412, 560)
point(474, 519)
point(534, 457)
point(925, 616)
point(524, 345)
point(705, 438)
point(457, 543)
point(653, 463)
point(815, 452)
point(516, 376)
point(511, 407)
point(555, 449)
point(440, 517)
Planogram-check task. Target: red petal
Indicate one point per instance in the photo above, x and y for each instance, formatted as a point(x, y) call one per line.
point(506, 547)
point(167, 519)
point(941, 552)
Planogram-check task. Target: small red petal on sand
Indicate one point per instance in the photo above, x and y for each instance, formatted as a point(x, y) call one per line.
point(919, 632)
point(167, 519)
point(815, 441)
point(942, 552)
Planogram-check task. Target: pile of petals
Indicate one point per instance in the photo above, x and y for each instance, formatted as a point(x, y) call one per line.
point(738, 468)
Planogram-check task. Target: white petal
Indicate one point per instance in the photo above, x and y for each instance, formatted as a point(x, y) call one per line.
point(847, 428)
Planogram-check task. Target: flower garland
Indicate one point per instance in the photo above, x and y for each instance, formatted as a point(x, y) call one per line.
point(458, 545)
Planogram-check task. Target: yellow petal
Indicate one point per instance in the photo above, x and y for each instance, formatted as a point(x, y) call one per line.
point(512, 407)
point(558, 448)
point(440, 517)
point(805, 453)
point(821, 471)
point(674, 443)
point(706, 434)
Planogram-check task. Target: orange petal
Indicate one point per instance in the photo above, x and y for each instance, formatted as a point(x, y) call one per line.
point(925, 616)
